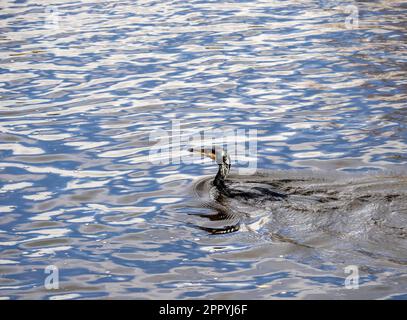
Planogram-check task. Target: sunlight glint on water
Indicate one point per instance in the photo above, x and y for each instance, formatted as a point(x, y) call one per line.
point(85, 83)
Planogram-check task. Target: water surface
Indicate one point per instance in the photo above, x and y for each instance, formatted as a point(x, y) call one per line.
point(85, 83)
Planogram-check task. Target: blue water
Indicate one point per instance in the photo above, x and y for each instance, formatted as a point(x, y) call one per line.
point(84, 86)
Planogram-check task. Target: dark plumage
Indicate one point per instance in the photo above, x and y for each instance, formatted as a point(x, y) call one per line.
point(228, 188)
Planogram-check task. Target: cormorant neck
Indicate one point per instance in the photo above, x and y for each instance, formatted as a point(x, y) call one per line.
point(223, 171)
point(223, 160)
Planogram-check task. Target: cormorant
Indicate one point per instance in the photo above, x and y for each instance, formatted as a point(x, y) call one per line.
point(234, 189)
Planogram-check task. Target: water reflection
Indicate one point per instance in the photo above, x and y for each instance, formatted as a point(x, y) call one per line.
point(85, 83)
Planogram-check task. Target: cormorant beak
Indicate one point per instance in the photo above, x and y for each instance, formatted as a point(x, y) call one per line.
point(211, 153)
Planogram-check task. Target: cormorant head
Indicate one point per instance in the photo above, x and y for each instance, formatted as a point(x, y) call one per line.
point(222, 159)
point(217, 154)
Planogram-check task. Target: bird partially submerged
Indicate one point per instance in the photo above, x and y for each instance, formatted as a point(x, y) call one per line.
point(234, 189)
point(229, 194)
point(222, 159)
point(339, 214)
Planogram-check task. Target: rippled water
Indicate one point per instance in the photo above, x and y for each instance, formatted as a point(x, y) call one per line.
point(85, 83)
